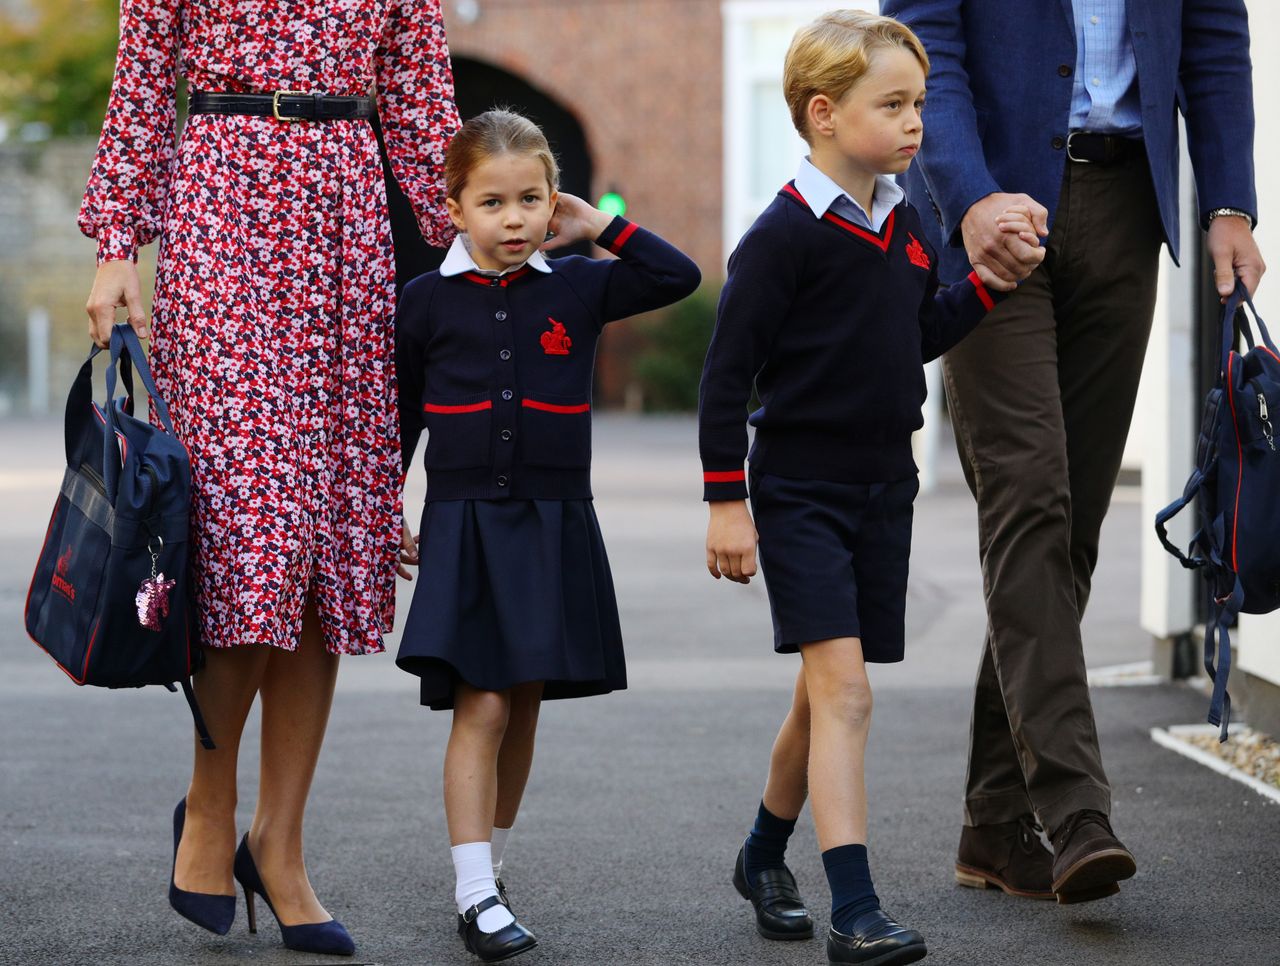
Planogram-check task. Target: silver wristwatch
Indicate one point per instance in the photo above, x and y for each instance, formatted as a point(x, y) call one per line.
point(1237, 212)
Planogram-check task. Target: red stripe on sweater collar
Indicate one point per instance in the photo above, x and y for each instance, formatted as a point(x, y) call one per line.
point(502, 280)
point(881, 240)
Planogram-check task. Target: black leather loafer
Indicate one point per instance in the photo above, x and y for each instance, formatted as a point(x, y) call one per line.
point(780, 912)
point(491, 947)
point(876, 940)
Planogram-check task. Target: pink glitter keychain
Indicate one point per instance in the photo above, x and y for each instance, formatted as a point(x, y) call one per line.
point(153, 595)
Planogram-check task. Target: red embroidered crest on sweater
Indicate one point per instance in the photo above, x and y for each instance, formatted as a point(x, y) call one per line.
point(916, 253)
point(557, 341)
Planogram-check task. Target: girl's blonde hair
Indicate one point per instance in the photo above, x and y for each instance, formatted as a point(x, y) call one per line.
point(831, 54)
point(487, 135)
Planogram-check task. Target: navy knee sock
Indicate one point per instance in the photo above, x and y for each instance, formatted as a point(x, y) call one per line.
point(852, 893)
point(767, 843)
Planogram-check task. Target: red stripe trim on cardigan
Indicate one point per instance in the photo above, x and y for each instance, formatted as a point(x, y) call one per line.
point(615, 246)
point(554, 408)
point(502, 280)
point(468, 408)
point(725, 476)
point(981, 290)
point(880, 241)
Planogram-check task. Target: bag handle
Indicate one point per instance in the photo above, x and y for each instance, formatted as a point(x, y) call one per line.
point(1233, 309)
point(126, 352)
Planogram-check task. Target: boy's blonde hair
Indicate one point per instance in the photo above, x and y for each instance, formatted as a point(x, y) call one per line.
point(495, 132)
point(831, 54)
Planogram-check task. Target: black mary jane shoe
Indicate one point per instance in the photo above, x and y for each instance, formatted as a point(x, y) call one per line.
point(511, 940)
point(780, 912)
point(502, 897)
point(876, 940)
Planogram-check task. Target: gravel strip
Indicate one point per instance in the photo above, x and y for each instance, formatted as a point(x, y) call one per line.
point(1254, 753)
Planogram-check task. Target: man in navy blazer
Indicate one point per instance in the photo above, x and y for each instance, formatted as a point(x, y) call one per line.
point(1069, 107)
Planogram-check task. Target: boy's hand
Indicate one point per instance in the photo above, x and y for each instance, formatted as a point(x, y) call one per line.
point(408, 551)
point(575, 220)
point(1018, 220)
point(999, 260)
point(731, 541)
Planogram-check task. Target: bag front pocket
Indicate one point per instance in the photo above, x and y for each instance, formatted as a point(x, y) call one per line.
point(556, 431)
point(458, 432)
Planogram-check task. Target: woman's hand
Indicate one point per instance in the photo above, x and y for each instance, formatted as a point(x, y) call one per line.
point(116, 285)
point(731, 541)
point(408, 551)
point(574, 220)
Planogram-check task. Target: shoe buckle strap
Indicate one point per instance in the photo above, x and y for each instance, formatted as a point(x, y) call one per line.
point(472, 914)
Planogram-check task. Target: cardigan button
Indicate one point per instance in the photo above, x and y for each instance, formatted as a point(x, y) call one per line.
point(504, 355)
point(505, 435)
point(507, 394)
point(500, 315)
point(502, 481)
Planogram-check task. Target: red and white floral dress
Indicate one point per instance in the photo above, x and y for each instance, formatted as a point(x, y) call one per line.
point(273, 318)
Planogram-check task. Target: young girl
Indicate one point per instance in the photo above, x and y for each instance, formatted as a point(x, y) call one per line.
point(495, 353)
point(831, 306)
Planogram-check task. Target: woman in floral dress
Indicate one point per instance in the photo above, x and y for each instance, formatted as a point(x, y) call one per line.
point(272, 342)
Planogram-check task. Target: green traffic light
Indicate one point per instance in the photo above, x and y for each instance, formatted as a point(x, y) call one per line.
point(612, 203)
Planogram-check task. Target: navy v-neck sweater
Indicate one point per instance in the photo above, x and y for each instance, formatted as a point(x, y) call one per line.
point(831, 324)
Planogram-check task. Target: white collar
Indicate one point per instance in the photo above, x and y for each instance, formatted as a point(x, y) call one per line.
point(458, 260)
point(820, 192)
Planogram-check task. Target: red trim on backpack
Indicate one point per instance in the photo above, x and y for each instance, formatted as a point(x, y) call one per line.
point(981, 290)
point(615, 246)
point(725, 476)
point(468, 408)
point(555, 408)
point(1235, 514)
point(881, 242)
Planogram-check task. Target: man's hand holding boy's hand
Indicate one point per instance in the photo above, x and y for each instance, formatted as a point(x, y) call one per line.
point(731, 541)
point(999, 258)
point(1019, 220)
point(574, 221)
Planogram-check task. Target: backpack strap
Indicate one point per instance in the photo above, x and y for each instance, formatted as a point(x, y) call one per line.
point(1217, 641)
point(206, 739)
point(1172, 510)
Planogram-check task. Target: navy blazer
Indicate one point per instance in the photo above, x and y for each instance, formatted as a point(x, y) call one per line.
point(999, 104)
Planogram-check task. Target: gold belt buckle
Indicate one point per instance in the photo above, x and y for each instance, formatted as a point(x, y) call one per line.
point(275, 106)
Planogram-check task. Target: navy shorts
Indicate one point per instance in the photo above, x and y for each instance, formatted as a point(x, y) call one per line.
point(835, 558)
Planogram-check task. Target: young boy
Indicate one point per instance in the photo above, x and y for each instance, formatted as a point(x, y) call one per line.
point(831, 307)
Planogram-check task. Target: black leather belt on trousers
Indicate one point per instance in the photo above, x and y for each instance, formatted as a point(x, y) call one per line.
point(283, 106)
point(1087, 148)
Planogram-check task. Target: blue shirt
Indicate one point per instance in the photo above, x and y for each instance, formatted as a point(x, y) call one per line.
point(1104, 95)
point(823, 195)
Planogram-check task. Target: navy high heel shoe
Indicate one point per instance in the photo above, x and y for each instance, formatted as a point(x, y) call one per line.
point(215, 913)
point(325, 938)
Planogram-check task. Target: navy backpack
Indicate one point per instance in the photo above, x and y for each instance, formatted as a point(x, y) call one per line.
point(109, 600)
point(1236, 488)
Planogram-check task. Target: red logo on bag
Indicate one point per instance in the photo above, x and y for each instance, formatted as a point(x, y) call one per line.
point(60, 582)
point(916, 253)
point(557, 341)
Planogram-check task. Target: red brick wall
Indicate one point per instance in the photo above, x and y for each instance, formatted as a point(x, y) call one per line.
point(644, 79)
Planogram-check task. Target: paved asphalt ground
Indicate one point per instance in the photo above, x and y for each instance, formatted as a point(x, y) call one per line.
point(638, 800)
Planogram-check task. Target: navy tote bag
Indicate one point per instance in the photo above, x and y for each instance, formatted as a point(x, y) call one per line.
point(110, 597)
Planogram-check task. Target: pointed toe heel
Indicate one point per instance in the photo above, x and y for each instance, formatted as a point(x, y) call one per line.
point(323, 938)
point(212, 912)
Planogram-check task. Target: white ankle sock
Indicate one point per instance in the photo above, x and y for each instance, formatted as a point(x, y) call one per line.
point(473, 866)
point(499, 843)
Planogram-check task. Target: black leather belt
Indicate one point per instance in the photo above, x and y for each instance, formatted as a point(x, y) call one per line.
point(283, 106)
point(1087, 148)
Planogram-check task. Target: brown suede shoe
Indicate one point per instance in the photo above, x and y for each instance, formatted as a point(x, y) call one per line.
point(1009, 856)
point(1088, 859)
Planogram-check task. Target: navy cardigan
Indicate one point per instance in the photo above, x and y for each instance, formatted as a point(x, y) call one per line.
point(832, 324)
point(498, 369)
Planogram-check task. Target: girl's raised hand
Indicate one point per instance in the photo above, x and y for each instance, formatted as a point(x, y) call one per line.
point(573, 221)
point(408, 551)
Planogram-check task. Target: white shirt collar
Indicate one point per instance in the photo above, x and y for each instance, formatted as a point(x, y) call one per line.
point(821, 193)
point(458, 260)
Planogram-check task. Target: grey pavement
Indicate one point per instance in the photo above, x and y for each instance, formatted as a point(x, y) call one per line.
point(638, 800)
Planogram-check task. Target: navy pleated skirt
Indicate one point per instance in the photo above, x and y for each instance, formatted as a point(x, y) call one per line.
point(510, 592)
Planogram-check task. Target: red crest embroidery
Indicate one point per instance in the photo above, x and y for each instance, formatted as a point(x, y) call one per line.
point(557, 341)
point(60, 582)
point(916, 253)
